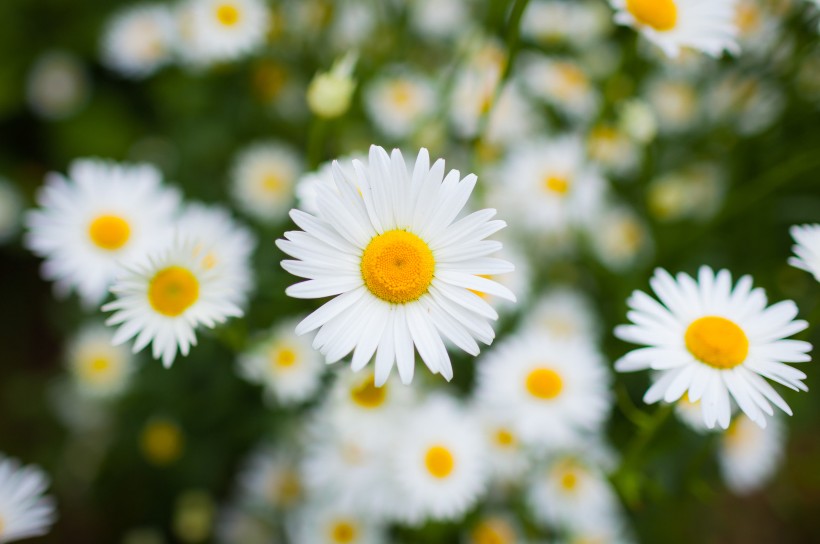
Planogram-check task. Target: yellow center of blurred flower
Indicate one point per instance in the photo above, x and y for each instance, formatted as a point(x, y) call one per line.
point(109, 232)
point(161, 442)
point(343, 532)
point(439, 461)
point(97, 368)
point(273, 183)
point(227, 14)
point(544, 383)
point(173, 290)
point(398, 266)
point(569, 480)
point(717, 342)
point(493, 531)
point(401, 93)
point(367, 395)
point(283, 357)
point(571, 80)
point(288, 489)
point(504, 437)
point(747, 18)
point(556, 184)
point(662, 15)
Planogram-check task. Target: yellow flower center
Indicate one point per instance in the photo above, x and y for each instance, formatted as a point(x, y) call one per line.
point(544, 383)
point(504, 437)
point(97, 368)
point(227, 14)
point(747, 18)
point(283, 357)
point(273, 183)
point(173, 290)
point(717, 342)
point(161, 442)
point(493, 531)
point(439, 461)
point(343, 532)
point(662, 15)
point(367, 395)
point(288, 489)
point(109, 232)
point(556, 184)
point(398, 266)
point(402, 94)
point(569, 480)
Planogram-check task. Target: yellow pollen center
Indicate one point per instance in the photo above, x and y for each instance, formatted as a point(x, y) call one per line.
point(717, 342)
point(367, 395)
point(439, 462)
point(569, 480)
point(544, 383)
point(109, 232)
point(556, 184)
point(504, 438)
point(398, 266)
point(662, 15)
point(98, 365)
point(273, 183)
point(283, 357)
point(289, 489)
point(343, 532)
point(402, 94)
point(227, 14)
point(173, 290)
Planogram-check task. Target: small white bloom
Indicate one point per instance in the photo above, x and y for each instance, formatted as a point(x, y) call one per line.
point(439, 19)
point(398, 104)
point(263, 179)
point(620, 239)
point(749, 455)
point(563, 84)
point(613, 149)
point(269, 481)
point(139, 40)
point(285, 364)
point(24, 511)
point(163, 299)
point(322, 522)
point(706, 25)
point(695, 192)
point(57, 85)
point(98, 368)
point(310, 185)
point(566, 315)
point(747, 102)
point(675, 103)
point(221, 30)
point(806, 249)
point(714, 341)
point(101, 216)
point(576, 22)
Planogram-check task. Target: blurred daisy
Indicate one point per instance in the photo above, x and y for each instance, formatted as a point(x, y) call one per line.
point(563, 84)
point(549, 185)
point(571, 491)
point(99, 369)
point(397, 104)
point(747, 102)
point(714, 342)
point(619, 238)
point(613, 149)
point(138, 40)
point(163, 299)
point(564, 314)
point(690, 413)
point(440, 467)
point(535, 378)
point(322, 522)
point(236, 523)
point(356, 400)
point(806, 249)
point(400, 266)
point(675, 102)
point(557, 22)
point(748, 455)
point(439, 19)
point(11, 209)
point(57, 85)
point(506, 455)
point(263, 178)
point(223, 245)
point(269, 481)
point(24, 511)
point(706, 25)
point(696, 192)
point(308, 186)
point(222, 30)
point(101, 216)
point(285, 364)
point(494, 529)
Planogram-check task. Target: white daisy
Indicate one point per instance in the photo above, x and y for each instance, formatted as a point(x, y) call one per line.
point(534, 378)
point(307, 188)
point(439, 463)
point(439, 19)
point(563, 84)
point(613, 149)
point(139, 40)
point(101, 216)
point(619, 238)
point(748, 455)
point(806, 249)
point(11, 208)
point(706, 25)
point(565, 314)
point(163, 299)
point(397, 104)
point(24, 511)
point(57, 85)
point(322, 522)
point(400, 266)
point(695, 192)
point(285, 364)
point(98, 368)
point(675, 102)
point(713, 341)
point(506, 455)
point(550, 185)
point(222, 30)
point(269, 481)
point(576, 22)
point(224, 246)
point(494, 528)
point(263, 178)
point(749, 103)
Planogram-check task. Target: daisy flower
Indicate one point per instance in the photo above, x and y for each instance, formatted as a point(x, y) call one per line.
point(506, 455)
point(619, 238)
point(675, 102)
point(565, 314)
point(613, 149)
point(534, 378)
point(322, 522)
point(307, 188)
point(397, 104)
point(706, 25)
point(139, 40)
point(576, 23)
point(285, 364)
point(439, 463)
point(439, 19)
point(714, 342)
point(101, 216)
point(223, 30)
point(57, 85)
point(164, 298)
point(263, 179)
point(494, 529)
point(563, 84)
point(748, 455)
point(806, 249)
point(98, 368)
point(269, 481)
point(24, 511)
point(400, 266)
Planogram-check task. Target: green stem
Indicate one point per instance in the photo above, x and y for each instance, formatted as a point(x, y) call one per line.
point(632, 412)
point(316, 137)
